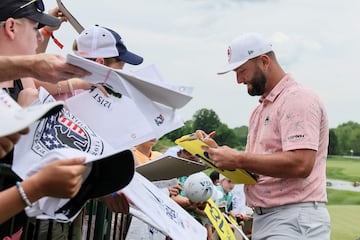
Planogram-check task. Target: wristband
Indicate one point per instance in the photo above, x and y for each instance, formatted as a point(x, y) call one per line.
point(58, 88)
point(23, 194)
point(50, 34)
point(71, 88)
point(46, 32)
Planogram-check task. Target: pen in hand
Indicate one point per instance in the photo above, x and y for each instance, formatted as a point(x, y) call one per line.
point(208, 139)
point(212, 134)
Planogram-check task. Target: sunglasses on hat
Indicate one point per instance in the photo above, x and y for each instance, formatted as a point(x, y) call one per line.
point(39, 7)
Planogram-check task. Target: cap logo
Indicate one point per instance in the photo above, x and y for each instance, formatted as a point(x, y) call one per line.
point(250, 52)
point(229, 53)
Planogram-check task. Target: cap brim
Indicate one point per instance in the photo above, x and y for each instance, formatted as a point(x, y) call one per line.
point(19, 119)
point(107, 175)
point(44, 19)
point(231, 67)
point(131, 58)
point(222, 177)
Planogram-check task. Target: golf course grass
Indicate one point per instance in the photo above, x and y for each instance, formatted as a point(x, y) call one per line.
point(345, 222)
point(347, 169)
point(344, 206)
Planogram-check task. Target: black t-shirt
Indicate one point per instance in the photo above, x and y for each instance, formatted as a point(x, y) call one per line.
point(20, 219)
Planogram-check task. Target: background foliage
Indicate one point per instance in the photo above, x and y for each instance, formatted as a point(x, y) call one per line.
point(343, 140)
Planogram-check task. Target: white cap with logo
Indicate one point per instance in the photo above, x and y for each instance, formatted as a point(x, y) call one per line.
point(244, 48)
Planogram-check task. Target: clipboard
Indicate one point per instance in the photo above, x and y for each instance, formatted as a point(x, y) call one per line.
point(193, 146)
point(73, 21)
point(168, 167)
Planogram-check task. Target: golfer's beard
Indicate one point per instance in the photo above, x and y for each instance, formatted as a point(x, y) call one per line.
point(257, 84)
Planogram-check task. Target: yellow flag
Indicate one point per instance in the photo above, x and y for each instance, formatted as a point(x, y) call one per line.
point(218, 221)
point(233, 220)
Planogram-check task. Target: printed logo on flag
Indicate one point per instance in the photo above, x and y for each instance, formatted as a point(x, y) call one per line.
point(159, 119)
point(65, 130)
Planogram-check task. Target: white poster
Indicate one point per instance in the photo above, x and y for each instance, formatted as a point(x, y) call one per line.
point(138, 109)
point(163, 211)
point(117, 120)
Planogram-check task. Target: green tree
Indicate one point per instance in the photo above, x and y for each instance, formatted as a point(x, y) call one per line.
point(355, 142)
point(241, 136)
point(206, 119)
point(186, 129)
point(347, 134)
point(333, 143)
point(226, 136)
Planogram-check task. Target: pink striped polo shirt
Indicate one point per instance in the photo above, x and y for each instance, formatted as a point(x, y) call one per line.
point(290, 117)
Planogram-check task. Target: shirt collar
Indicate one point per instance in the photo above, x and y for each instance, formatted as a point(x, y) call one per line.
point(286, 81)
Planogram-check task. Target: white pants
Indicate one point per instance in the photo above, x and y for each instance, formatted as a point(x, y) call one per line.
point(293, 221)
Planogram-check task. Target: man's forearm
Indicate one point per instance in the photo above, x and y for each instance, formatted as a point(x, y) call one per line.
point(15, 67)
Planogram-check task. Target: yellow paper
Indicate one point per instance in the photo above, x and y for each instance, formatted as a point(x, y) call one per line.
point(233, 220)
point(218, 221)
point(193, 146)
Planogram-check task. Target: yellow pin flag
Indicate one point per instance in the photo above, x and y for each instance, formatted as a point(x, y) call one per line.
point(233, 220)
point(218, 221)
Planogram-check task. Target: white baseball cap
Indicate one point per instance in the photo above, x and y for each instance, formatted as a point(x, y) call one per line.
point(100, 42)
point(222, 177)
point(244, 48)
point(14, 118)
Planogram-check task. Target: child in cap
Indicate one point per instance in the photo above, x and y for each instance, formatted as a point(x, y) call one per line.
point(99, 43)
point(225, 187)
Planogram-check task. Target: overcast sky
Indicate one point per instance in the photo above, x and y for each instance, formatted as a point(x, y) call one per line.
point(318, 42)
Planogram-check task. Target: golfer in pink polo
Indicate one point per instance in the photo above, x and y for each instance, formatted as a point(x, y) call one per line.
point(286, 147)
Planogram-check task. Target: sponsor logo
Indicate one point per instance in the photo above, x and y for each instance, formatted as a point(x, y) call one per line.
point(65, 130)
point(159, 120)
point(296, 137)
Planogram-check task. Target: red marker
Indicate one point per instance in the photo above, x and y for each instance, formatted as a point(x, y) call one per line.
point(212, 134)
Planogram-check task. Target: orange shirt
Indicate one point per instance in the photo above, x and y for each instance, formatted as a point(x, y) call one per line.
point(141, 158)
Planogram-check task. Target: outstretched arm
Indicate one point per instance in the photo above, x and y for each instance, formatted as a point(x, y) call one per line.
point(46, 67)
point(61, 179)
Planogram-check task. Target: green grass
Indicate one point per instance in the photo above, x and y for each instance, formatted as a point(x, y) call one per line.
point(344, 206)
point(343, 169)
point(345, 222)
point(340, 197)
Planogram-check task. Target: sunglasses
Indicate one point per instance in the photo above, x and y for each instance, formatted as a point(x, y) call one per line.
point(109, 90)
point(39, 7)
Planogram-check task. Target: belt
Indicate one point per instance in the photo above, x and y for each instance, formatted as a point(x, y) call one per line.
point(261, 210)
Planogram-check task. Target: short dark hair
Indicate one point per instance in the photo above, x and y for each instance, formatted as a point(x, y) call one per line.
point(214, 175)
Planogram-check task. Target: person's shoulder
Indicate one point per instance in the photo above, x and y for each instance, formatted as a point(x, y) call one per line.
point(155, 154)
point(295, 87)
point(220, 188)
point(293, 91)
